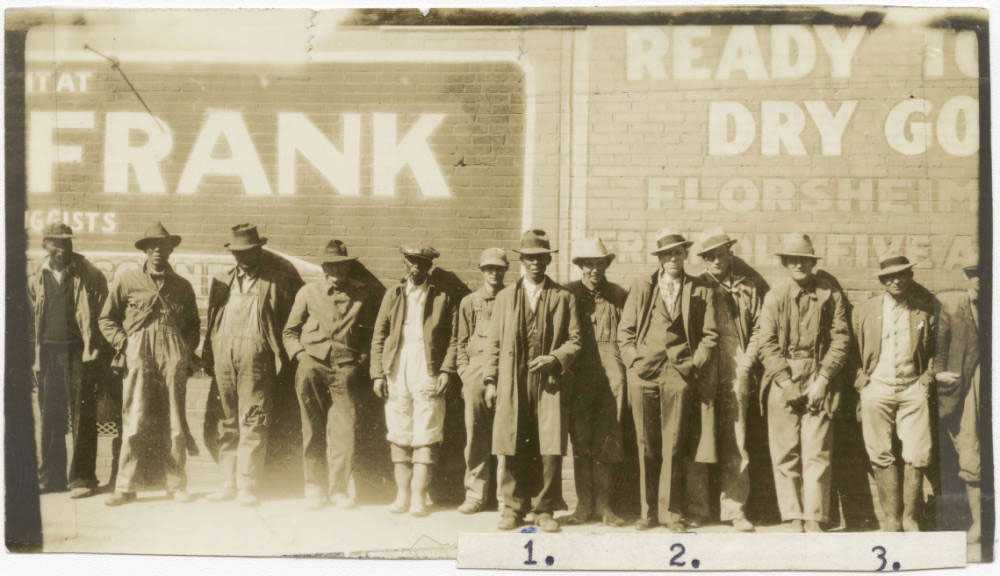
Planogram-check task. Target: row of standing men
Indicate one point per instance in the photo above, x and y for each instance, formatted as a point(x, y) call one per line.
point(540, 365)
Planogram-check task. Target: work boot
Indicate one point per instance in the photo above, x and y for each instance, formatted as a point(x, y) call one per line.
point(813, 526)
point(120, 498)
point(583, 479)
point(912, 485)
point(182, 496)
point(343, 501)
point(643, 524)
point(247, 499)
point(224, 495)
point(470, 506)
point(793, 526)
point(602, 495)
point(546, 523)
point(888, 497)
point(741, 524)
point(508, 521)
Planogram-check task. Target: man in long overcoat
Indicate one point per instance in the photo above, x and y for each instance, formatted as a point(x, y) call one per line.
point(960, 407)
point(667, 338)
point(533, 343)
point(248, 306)
point(804, 344)
point(598, 387)
point(739, 292)
point(67, 293)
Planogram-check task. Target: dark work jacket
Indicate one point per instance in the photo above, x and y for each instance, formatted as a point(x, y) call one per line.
point(439, 346)
point(958, 349)
point(868, 334)
point(832, 341)
point(90, 290)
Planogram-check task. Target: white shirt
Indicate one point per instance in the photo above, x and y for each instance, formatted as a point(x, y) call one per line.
point(670, 289)
point(413, 320)
point(895, 365)
point(533, 292)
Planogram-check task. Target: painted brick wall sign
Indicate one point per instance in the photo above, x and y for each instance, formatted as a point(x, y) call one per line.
point(375, 152)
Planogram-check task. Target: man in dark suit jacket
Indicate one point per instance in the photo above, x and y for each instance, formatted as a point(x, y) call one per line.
point(667, 336)
point(960, 406)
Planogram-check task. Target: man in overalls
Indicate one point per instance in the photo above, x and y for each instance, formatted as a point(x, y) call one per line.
point(248, 306)
point(471, 332)
point(598, 387)
point(151, 320)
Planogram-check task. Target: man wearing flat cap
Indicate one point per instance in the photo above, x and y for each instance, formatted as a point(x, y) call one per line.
point(413, 355)
point(895, 334)
point(151, 321)
point(471, 332)
point(667, 336)
point(328, 333)
point(804, 345)
point(960, 409)
point(248, 306)
point(598, 386)
point(67, 293)
point(533, 343)
point(739, 292)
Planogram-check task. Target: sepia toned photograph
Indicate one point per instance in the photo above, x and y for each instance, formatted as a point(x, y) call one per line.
point(395, 283)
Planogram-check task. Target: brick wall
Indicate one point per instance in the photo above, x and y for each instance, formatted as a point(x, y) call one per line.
point(541, 127)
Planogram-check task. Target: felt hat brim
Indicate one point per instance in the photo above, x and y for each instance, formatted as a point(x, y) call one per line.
point(610, 257)
point(337, 259)
point(240, 247)
point(797, 255)
point(535, 251)
point(895, 269)
point(715, 246)
point(142, 242)
point(669, 247)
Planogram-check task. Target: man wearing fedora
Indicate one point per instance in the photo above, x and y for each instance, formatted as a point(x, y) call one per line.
point(534, 340)
point(739, 292)
point(960, 407)
point(327, 334)
point(151, 321)
point(895, 332)
point(248, 306)
point(471, 332)
point(804, 344)
point(598, 386)
point(667, 336)
point(413, 355)
point(67, 293)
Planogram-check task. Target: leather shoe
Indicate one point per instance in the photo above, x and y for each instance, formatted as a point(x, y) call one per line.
point(793, 526)
point(120, 498)
point(643, 524)
point(546, 522)
point(677, 526)
point(81, 492)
